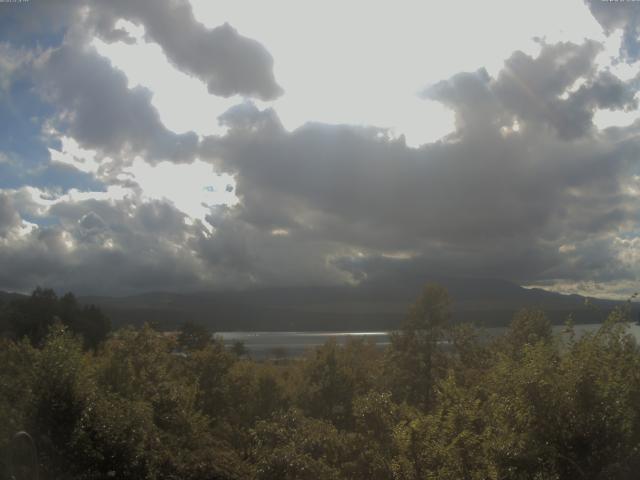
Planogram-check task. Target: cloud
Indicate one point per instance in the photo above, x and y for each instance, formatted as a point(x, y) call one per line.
point(526, 188)
point(226, 61)
point(620, 15)
point(498, 197)
point(446, 190)
point(57, 84)
point(137, 246)
point(248, 255)
point(9, 218)
point(104, 246)
point(538, 92)
point(95, 107)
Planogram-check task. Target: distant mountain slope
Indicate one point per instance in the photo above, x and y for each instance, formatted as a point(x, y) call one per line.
point(486, 302)
point(6, 297)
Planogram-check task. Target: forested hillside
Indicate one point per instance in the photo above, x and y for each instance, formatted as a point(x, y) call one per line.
point(369, 306)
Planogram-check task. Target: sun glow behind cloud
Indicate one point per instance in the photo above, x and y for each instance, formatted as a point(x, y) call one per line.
point(341, 69)
point(193, 188)
point(181, 100)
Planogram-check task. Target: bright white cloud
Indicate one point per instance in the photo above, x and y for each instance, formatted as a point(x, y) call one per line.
point(39, 201)
point(182, 101)
point(74, 155)
point(193, 188)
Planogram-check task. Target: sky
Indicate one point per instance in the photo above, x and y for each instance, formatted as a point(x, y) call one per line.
point(203, 145)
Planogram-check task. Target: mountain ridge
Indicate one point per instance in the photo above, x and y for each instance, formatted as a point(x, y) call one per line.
point(370, 306)
point(367, 307)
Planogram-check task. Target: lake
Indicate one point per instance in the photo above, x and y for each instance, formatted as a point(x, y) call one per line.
point(293, 344)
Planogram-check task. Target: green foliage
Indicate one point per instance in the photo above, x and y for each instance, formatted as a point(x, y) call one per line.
point(17, 362)
point(414, 356)
point(193, 336)
point(210, 368)
point(294, 447)
point(372, 443)
point(333, 376)
point(239, 348)
point(34, 316)
point(442, 402)
point(60, 388)
point(450, 442)
point(528, 328)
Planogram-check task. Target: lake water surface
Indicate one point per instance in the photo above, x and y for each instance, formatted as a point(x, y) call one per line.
point(272, 344)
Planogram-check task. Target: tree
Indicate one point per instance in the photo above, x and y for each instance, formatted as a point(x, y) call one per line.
point(294, 447)
point(17, 360)
point(415, 347)
point(193, 336)
point(239, 348)
point(372, 445)
point(527, 328)
point(333, 376)
point(32, 317)
point(93, 325)
point(60, 387)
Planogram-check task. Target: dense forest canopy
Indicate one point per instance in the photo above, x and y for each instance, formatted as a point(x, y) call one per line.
point(437, 403)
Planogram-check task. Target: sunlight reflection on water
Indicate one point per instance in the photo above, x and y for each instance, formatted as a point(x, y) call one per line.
point(291, 344)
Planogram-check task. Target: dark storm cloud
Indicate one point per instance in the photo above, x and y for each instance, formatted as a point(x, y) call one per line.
point(226, 61)
point(449, 191)
point(592, 259)
point(489, 200)
point(620, 15)
point(244, 254)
